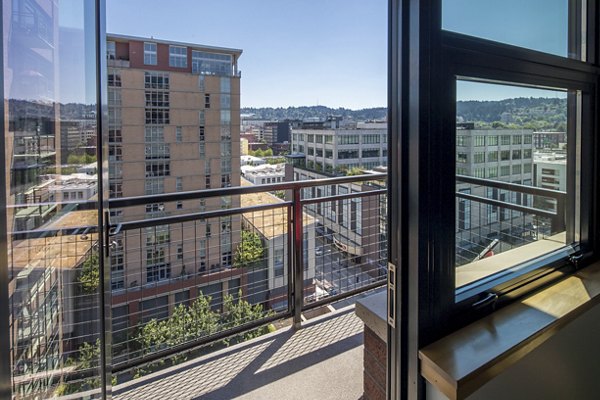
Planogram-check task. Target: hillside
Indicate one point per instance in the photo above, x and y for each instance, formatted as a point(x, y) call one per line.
point(534, 113)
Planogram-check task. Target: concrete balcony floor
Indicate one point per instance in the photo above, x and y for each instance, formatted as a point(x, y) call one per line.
point(323, 360)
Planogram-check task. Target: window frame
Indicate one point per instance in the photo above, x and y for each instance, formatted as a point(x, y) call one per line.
point(151, 56)
point(424, 63)
point(477, 59)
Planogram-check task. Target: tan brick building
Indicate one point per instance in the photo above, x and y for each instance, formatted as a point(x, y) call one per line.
point(174, 120)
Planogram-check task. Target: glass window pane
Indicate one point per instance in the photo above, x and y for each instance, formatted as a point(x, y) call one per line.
point(534, 24)
point(50, 251)
point(509, 209)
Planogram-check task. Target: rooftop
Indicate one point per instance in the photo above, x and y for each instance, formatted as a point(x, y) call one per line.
point(127, 38)
point(271, 223)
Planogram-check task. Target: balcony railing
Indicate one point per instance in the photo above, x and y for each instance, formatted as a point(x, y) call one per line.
point(186, 282)
point(277, 258)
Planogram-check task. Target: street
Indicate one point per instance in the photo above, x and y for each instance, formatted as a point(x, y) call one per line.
point(336, 268)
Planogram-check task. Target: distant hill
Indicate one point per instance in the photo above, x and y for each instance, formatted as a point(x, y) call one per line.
point(315, 111)
point(532, 113)
point(522, 112)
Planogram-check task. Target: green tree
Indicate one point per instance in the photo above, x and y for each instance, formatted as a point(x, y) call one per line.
point(259, 153)
point(242, 312)
point(74, 159)
point(89, 275)
point(249, 251)
point(354, 171)
point(280, 194)
point(87, 362)
point(268, 153)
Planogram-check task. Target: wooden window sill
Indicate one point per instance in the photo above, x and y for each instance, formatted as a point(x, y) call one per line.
point(464, 361)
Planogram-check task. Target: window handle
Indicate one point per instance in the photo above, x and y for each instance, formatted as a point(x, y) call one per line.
point(489, 299)
point(574, 259)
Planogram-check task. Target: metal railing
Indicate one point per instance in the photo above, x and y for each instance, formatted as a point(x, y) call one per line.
point(502, 220)
point(315, 250)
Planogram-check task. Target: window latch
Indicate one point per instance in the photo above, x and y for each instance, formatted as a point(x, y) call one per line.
point(575, 258)
point(489, 299)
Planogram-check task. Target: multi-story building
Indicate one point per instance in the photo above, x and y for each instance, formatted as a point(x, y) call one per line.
point(550, 170)
point(174, 120)
point(272, 278)
point(321, 149)
point(264, 174)
point(548, 140)
point(334, 146)
point(276, 132)
point(501, 155)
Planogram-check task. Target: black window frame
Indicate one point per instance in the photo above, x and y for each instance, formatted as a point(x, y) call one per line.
point(424, 63)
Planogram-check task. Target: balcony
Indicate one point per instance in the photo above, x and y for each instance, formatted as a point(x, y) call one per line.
point(197, 287)
point(228, 288)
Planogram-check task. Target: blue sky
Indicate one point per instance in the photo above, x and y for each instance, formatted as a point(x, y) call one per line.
point(296, 52)
point(331, 52)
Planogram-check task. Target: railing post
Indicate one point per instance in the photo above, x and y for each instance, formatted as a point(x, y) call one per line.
point(558, 221)
point(298, 264)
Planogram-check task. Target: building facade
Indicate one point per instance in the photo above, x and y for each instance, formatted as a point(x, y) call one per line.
point(333, 147)
point(174, 118)
point(504, 155)
point(321, 149)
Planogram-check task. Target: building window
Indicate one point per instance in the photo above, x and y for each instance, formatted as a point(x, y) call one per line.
point(114, 79)
point(492, 140)
point(115, 152)
point(158, 168)
point(178, 134)
point(154, 186)
point(347, 154)
point(114, 135)
point(211, 63)
point(369, 153)
point(505, 140)
point(156, 80)
point(115, 189)
point(154, 134)
point(225, 181)
point(479, 141)
point(157, 151)
point(225, 117)
point(207, 100)
point(517, 139)
point(157, 98)
point(348, 139)
point(479, 157)
point(177, 56)
point(111, 50)
point(463, 141)
point(158, 272)
point(155, 116)
point(150, 57)
point(371, 139)
point(225, 84)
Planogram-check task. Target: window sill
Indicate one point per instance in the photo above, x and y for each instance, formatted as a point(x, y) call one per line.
point(471, 272)
point(464, 361)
